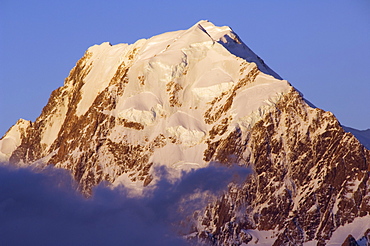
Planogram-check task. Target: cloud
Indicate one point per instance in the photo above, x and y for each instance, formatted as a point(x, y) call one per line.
point(44, 208)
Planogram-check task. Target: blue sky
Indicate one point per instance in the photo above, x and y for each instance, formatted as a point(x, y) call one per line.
point(321, 47)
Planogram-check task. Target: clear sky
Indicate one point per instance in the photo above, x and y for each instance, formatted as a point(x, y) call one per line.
point(321, 47)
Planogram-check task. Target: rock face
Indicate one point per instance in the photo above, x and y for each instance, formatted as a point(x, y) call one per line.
point(350, 241)
point(310, 178)
point(187, 98)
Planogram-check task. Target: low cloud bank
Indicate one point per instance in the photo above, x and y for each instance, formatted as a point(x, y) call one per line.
point(44, 208)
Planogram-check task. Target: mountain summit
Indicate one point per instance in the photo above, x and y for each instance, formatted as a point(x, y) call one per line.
point(184, 99)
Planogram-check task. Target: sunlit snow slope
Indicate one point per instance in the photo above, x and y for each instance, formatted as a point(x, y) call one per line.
point(176, 86)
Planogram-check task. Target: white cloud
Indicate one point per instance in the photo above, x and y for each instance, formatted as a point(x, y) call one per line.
point(44, 208)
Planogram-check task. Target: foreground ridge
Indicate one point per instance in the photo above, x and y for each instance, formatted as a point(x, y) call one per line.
point(188, 98)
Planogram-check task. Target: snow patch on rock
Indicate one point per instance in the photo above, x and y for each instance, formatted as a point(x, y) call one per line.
point(186, 137)
point(12, 139)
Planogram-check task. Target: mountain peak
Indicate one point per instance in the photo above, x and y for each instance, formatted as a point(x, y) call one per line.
point(231, 41)
point(214, 31)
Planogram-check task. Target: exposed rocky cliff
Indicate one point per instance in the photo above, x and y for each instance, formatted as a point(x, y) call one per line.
point(310, 177)
point(185, 99)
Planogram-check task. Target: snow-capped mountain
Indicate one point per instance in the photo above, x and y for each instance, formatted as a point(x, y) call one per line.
point(185, 99)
